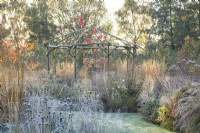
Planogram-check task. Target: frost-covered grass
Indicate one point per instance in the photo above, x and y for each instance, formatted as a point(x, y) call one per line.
point(98, 122)
point(133, 123)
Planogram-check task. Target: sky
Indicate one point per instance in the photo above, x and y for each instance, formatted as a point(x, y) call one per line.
point(113, 5)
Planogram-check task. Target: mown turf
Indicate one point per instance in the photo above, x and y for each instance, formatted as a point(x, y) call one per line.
point(133, 123)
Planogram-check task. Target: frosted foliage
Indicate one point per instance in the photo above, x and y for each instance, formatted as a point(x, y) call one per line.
point(43, 114)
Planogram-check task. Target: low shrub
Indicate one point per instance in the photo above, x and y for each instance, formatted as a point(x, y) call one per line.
point(149, 111)
point(122, 94)
point(165, 118)
point(162, 109)
point(126, 99)
point(176, 109)
point(168, 107)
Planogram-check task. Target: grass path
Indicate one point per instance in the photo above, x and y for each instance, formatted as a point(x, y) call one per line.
point(133, 123)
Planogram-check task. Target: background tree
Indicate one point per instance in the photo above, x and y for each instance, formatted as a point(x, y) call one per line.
point(41, 28)
point(14, 26)
point(174, 21)
point(134, 21)
point(14, 30)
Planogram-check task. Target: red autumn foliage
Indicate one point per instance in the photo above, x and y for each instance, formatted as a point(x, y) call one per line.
point(90, 62)
point(81, 23)
point(105, 37)
point(88, 40)
point(100, 36)
point(94, 31)
point(12, 51)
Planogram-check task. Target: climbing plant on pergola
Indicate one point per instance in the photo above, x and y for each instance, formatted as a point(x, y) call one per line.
point(89, 38)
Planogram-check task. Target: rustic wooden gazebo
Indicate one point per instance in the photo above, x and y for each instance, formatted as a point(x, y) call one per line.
point(98, 39)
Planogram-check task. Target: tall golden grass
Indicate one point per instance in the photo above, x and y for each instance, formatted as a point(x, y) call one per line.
point(12, 76)
point(149, 71)
point(65, 70)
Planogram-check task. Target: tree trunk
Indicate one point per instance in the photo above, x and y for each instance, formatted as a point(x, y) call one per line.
point(1, 38)
point(199, 17)
point(171, 27)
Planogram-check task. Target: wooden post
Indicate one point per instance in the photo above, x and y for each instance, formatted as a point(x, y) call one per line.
point(1, 38)
point(95, 68)
point(75, 65)
point(54, 63)
point(135, 51)
point(108, 56)
point(108, 68)
point(133, 56)
point(48, 61)
point(127, 58)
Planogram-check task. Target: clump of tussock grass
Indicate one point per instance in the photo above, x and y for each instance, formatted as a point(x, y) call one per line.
point(188, 109)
